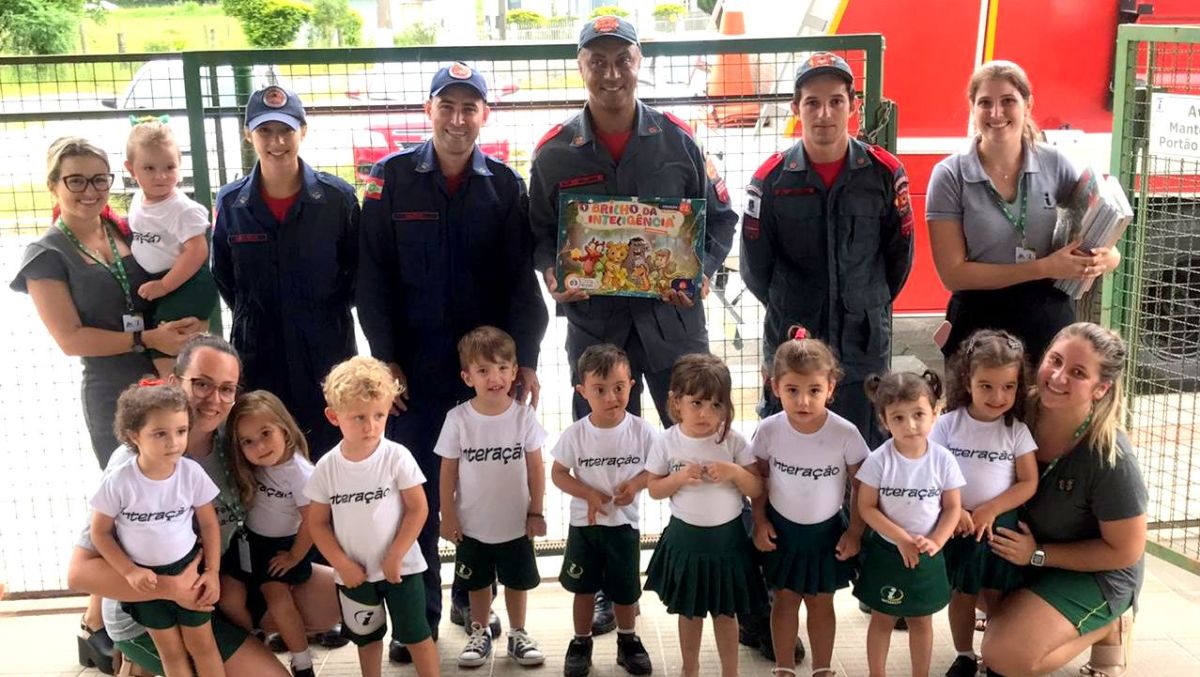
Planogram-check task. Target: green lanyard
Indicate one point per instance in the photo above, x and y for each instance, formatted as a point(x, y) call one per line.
point(1018, 222)
point(117, 267)
point(1074, 438)
point(233, 503)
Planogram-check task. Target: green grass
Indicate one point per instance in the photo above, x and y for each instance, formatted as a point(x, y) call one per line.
point(171, 28)
point(28, 205)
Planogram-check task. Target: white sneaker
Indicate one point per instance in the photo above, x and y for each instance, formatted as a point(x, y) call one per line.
point(522, 648)
point(478, 648)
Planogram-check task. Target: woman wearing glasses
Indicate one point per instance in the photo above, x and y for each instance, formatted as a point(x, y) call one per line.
point(83, 281)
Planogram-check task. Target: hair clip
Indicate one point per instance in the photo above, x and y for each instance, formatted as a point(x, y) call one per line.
point(148, 382)
point(797, 333)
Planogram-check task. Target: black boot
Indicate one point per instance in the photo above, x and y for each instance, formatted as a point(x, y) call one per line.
point(603, 618)
point(95, 649)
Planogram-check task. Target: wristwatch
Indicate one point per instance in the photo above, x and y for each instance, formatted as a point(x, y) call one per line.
point(1038, 558)
point(138, 345)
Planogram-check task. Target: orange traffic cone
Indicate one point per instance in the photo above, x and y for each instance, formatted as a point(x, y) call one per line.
point(732, 76)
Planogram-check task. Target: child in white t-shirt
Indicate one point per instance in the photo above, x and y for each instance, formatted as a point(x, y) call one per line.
point(909, 496)
point(600, 461)
point(994, 449)
point(809, 456)
point(704, 563)
point(493, 484)
point(273, 553)
point(367, 508)
point(170, 233)
point(148, 504)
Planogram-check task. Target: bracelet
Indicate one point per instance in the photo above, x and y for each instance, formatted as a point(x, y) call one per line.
point(535, 514)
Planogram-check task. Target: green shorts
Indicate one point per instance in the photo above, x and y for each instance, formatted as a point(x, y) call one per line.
point(603, 558)
point(477, 564)
point(196, 297)
point(363, 618)
point(160, 614)
point(889, 587)
point(1076, 595)
point(141, 649)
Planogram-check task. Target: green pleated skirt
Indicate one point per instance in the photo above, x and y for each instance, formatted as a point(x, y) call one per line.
point(972, 566)
point(698, 571)
point(804, 558)
point(887, 586)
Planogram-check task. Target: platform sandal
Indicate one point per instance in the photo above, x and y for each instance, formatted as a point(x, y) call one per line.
point(1111, 660)
point(95, 649)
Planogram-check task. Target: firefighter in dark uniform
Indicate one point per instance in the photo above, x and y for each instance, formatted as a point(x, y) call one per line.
point(827, 244)
point(827, 239)
point(619, 146)
point(446, 247)
point(285, 250)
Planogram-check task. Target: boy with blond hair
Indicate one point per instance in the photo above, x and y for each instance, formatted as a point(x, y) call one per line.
point(367, 509)
point(492, 486)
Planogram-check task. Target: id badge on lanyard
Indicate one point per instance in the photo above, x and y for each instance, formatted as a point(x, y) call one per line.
point(130, 321)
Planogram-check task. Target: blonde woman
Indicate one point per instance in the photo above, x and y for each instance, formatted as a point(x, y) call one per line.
point(991, 214)
point(1084, 532)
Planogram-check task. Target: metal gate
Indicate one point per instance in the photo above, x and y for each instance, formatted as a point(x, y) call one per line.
point(361, 105)
point(1154, 299)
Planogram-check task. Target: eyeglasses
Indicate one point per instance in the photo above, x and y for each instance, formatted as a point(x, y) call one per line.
point(77, 183)
point(202, 388)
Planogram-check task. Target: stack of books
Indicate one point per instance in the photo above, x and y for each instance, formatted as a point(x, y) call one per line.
point(1096, 213)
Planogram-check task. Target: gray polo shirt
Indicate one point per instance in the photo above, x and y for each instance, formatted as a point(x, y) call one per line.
point(958, 191)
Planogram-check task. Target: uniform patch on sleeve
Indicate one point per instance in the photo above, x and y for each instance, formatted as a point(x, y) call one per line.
point(751, 226)
point(374, 188)
point(717, 181)
point(753, 204)
point(904, 204)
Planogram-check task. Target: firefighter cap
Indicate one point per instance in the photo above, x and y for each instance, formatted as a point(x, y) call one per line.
point(274, 104)
point(824, 63)
point(458, 73)
point(607, 25)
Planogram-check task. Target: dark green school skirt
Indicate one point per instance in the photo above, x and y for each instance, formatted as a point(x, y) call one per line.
point(804, 560)
point(887, 586)
point(972, 566)
point(698, 571)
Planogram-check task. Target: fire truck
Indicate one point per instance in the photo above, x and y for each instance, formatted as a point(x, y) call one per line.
point(1068, 48)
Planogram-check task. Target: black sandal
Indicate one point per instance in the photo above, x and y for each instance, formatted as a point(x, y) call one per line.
point(95, 649)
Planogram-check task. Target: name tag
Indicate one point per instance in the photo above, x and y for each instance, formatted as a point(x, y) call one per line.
point(414, 216)
point(133, 322)
point(1024, 254)
point(244, 238)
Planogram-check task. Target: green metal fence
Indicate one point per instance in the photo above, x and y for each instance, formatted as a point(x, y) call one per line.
point(361, 104)
point(1154, 299)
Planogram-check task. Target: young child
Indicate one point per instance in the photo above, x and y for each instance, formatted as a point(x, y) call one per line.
point(367, 507)
point(493, 484)
point(600, 461)
point(909, 495)
point(809, 456)
point(703, 563)
point(169, 233)
point(149, 502)
point(273, 553)
point(994, 450)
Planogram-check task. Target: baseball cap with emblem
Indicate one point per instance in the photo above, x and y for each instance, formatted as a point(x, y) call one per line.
point(603, 26)
point(458, 73)
point(274, 104)
point(824, 63)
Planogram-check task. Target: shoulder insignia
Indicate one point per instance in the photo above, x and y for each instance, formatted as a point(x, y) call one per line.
point(679, 122)
point(374, 188)
point(884, 157)
point(554, 131)
point(768, 166)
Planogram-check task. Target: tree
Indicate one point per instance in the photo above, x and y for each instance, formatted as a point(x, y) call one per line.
point(670, 12)
point(334, 23)
point(525, 18)
point(608, 10)
point(269, 23)
point(39, 26)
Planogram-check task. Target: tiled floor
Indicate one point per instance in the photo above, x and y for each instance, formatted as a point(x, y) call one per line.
point(1166, 639)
